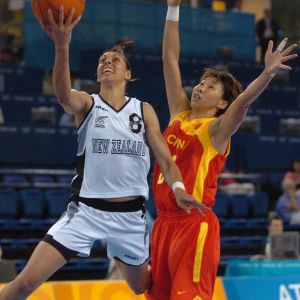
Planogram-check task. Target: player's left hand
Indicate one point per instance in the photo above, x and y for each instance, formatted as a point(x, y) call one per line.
point(186, 202)
point(276, 60)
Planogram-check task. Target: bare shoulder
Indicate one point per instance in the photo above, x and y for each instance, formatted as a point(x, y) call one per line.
point(148, 109)
point(81, 95)
point(80, 104)
point(84, 98)
point(149, 113)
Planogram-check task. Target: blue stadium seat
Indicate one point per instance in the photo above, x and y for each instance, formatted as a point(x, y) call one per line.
point(57, 200)
point(9, 203)
point(230, 241)
point(15, 179)
point(252, 241)
point(87, 264)
point(65, 179)
point(221, 207)
point(235, 223)
point(42, 178)
point(259, 205)
point(257, 223)
point(33, 203)
point(25, 243)
point(239, 206)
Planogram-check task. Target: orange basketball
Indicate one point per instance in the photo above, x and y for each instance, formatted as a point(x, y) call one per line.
point(40, 8)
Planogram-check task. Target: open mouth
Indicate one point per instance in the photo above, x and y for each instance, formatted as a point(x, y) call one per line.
point(107, 71)
point(196, 97)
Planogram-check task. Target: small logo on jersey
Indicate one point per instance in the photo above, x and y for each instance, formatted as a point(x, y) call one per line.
point(100, 121)
point(100, 107)
point(181, 292)
point(131, 257)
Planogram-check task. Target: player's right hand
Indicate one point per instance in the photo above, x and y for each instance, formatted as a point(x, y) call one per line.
point(186, 202)
point(61, 32)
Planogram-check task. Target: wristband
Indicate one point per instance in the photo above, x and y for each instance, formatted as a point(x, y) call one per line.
point(173, 13)
point(177, 184)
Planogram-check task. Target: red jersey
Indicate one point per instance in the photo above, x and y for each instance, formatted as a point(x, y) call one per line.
point(199, 162)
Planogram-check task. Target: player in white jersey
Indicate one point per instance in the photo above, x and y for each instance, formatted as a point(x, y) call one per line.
point(110, 187)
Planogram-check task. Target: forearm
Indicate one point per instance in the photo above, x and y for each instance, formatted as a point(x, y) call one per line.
point(171, 42)
point(254, 89)
point(171, 174)
point(231, 120)
point(61, 74)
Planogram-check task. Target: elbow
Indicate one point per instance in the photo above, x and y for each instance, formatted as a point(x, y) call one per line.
point(63, 100)
point(164, 57)
point(169, 57)
point(63, 96)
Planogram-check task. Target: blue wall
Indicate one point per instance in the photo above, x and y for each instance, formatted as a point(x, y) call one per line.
point(105, 22)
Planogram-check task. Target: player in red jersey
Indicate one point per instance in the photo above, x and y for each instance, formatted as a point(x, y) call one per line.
point(186, 247)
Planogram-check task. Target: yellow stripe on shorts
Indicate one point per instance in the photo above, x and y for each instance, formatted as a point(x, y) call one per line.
point(199, 251)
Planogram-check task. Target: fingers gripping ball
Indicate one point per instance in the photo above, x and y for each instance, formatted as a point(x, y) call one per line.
point(40, 8)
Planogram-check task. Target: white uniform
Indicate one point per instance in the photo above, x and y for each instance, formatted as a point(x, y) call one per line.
point(113, 155)
point(113, 161)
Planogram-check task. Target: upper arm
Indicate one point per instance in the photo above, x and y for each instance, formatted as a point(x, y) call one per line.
point(156, 141)
point(177, 98)
point(222, 128)
point(176, 95)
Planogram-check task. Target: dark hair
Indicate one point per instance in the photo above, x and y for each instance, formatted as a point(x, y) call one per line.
point(276, 217)
point(231, 86)
point(120, 49)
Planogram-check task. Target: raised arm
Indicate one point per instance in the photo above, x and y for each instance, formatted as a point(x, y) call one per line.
point(177, 98)
point(73, 102)
point(162, 155)
point(226, 125)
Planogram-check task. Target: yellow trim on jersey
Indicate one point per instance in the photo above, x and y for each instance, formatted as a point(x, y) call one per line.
point(209, 153)
point(187, 125)
point(181, 116)
point(199, 251)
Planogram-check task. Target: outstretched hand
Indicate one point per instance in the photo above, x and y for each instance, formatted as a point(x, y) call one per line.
point(173, 2)
point(61, 32)
point(276, 60)
point(185, 201)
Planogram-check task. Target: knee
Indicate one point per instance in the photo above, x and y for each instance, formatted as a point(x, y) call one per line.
point(24, 285)
point(141, 287)
point(138, 290)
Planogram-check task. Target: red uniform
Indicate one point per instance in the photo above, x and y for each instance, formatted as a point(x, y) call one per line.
point(185, 248)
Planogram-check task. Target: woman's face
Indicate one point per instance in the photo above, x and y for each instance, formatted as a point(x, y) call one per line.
point(208, 94)
point(112, 67)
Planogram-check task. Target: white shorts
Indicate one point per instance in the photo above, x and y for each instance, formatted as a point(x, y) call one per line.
point(80, 226)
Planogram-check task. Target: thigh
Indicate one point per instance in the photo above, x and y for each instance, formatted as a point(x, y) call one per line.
point(78, 228)
point(44, 262)
point(128, 238)
point(194, 274)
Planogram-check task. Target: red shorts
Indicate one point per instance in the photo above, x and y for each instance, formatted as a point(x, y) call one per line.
point(185, 252)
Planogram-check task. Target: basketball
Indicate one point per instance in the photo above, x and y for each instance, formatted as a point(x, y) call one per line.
point(40, 8)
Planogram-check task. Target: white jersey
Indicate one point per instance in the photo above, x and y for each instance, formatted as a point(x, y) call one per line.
point(113, 156)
